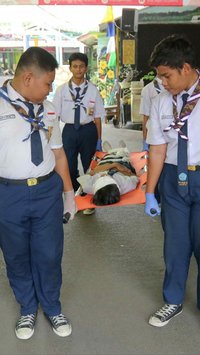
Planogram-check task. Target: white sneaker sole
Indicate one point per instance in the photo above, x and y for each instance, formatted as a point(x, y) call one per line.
point(88, 213)
point(161, 324)
point(63, 334)
point(24, 336)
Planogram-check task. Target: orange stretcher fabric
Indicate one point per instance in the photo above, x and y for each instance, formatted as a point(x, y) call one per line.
point(137, 196)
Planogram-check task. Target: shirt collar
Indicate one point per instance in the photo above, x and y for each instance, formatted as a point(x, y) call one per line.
point(78, 86)
point(13, 94)
point(190, 91)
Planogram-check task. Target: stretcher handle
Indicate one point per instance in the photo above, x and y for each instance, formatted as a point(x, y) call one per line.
point(66, 217)
point(153, 211)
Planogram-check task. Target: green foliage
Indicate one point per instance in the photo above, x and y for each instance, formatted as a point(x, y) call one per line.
point(149, 76)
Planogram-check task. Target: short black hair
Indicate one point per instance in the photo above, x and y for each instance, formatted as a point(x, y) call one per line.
point(78, 56)
point(173, 51)
point(38, 57)
point(107, 195)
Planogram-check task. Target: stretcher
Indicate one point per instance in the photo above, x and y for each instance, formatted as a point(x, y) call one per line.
point(137, 196)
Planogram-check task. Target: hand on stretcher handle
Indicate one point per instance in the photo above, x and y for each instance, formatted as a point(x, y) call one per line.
point(66, 217)
point(153, 211)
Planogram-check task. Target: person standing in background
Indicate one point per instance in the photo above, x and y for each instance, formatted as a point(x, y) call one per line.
point(79, 105)
point(148, 93)
point(33, 175)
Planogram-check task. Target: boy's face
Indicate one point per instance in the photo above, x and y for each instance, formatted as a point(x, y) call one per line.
point(78, 69)
point(174, 80)
point(39, 85)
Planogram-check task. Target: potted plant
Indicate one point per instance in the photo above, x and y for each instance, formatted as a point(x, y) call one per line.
point(147, 78)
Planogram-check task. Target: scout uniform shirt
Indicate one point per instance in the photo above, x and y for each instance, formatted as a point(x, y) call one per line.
point(148, 93)
point(15, 154)
point(92, 104)
point(162, 116)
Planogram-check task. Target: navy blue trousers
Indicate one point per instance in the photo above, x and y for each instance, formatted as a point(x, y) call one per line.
point(31, 235)
point(75, 142)
point(181, 225)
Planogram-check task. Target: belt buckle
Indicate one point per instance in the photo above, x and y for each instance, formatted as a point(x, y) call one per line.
point(32, 181)
point(192, 167)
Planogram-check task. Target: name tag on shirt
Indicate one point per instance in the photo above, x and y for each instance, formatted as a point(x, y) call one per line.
point(167, 117)
point(67, 100)
point(7, 117)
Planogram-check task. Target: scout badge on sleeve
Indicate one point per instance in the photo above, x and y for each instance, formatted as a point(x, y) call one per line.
point(49, 132)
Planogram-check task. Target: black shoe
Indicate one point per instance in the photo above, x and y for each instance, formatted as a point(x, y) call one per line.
point(60, 324)
point(164, 314)
point(24, 328)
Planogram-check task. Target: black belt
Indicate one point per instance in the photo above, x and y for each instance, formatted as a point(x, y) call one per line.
point(29, 182)
point(82, 125)
point(193, 167)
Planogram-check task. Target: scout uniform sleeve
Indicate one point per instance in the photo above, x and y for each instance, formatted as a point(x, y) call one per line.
point(155, 135)
point(99, 110)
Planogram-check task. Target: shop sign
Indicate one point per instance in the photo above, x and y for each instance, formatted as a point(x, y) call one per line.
point(114, 2)
point(104, 2)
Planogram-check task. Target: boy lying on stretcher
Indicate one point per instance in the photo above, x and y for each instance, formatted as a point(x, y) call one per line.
point(113, 176)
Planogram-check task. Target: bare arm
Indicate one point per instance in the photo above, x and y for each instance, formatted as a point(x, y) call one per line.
point(62, 168)
point(144, 129)
point(121, 168)
point(157, 154)
point(98, 124)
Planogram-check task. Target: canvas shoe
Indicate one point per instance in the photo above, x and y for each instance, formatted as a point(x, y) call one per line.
point(165, 314)
point(106, 146)
point(89, 211)
point(60, 325)
point(24, 328)
point(122, 144)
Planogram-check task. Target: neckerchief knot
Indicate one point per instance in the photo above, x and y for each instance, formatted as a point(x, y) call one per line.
point(78, 100)
point(21, 106)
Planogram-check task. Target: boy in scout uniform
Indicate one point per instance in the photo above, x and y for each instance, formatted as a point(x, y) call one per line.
point(173, 135)
point(34, 181)
point(79, 105)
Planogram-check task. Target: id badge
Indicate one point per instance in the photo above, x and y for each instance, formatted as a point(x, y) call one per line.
point(90, 110)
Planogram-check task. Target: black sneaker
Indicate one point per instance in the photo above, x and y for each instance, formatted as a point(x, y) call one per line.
point(60, 324)
point(164, 314)
point(24, 328)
